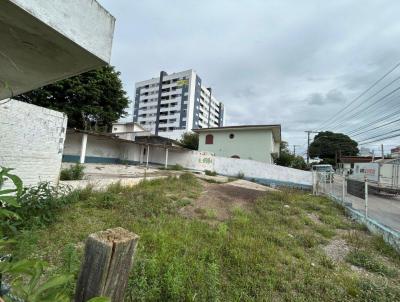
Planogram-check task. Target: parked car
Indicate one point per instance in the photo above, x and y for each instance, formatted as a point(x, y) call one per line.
point(326, 170)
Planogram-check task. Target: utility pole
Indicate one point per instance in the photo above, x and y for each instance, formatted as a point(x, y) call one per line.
point(383, 154)
point(294, 149)
point(308, 144)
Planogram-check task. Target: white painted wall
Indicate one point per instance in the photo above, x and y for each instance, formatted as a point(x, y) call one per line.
point(194, 160)
point(266, 173)
point(31, 141)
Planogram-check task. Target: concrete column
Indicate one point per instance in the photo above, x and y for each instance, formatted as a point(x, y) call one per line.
point(166, 158)
point(147, 158)
point(83, 148)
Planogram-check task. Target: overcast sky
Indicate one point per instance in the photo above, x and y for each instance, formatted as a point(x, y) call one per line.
point(290, 62)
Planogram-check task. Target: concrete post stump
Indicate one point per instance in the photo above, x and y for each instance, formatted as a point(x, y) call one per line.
point(107, 262)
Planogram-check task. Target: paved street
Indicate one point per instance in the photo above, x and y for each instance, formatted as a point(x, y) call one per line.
point(383, 208)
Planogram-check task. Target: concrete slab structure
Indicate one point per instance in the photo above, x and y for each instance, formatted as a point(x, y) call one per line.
point(46, 41)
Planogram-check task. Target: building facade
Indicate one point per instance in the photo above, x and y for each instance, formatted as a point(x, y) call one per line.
point(173, 104)
point(254, 142)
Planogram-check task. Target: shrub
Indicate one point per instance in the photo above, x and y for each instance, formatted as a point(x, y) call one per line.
point(74, 172)
point(39, 204)
point(210, 173)
point(176, 167)
point(9, 200)
point(240, 175)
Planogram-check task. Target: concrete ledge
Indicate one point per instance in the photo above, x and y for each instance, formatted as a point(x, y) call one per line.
point(102, 184)
point(46, 41)
point(390, 236)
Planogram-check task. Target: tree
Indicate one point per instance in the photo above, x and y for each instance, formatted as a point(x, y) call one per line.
point(329, 145)
point(190, 140)
point(288, 159)
point(92, 100)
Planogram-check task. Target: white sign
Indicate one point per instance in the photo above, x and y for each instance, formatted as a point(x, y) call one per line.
point(368, 170)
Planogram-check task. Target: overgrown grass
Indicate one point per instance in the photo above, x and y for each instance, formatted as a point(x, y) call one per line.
point(75, 172)
point(270, 251)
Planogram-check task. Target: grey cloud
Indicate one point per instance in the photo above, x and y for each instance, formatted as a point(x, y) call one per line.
point(318, 99)
point(290, 62)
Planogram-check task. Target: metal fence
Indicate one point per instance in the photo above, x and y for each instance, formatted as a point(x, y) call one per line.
point(367, 200)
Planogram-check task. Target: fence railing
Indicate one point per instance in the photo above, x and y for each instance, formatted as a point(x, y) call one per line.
point(365, 202)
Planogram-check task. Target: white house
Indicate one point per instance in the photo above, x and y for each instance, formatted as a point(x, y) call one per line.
point(255, 142)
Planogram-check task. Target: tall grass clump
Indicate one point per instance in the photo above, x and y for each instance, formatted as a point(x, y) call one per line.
point(75, 172)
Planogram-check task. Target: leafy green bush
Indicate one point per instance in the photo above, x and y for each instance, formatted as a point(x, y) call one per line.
point(240, 175)
point(75, 172)
point(39, 204)
point(9, 199)
point(210, 173)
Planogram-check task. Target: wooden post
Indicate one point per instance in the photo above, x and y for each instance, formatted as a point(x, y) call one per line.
point(106, 265)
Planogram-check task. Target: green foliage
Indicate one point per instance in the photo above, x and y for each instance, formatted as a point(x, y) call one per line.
point(210, 173)
point(25, 280)
point(366, 260)
point(328, 145)
point(92, 100)
point(190, 140)
point(240, 175)
point(288, 159)
point(75, 172)
point(9, 199)
point(176, 167)
point(40, 204)
point(270, 250)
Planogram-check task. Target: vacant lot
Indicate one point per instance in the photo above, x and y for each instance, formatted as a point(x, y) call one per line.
point(204, 241)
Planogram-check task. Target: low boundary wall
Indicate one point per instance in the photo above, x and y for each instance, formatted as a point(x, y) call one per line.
point(390, 236)
point(107, 150)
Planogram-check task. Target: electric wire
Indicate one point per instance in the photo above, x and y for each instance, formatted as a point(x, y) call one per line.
point(329, 121)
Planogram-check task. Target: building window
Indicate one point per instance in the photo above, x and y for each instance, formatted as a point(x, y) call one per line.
point(231, 136)
point(209, 139)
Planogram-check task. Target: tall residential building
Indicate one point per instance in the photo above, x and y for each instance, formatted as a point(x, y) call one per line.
point(173, 104)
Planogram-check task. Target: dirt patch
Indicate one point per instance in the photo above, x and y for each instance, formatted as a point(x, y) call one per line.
point(314, 218)
point(218, 201)
point(337, 250)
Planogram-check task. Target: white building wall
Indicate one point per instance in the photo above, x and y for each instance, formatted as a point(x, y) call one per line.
point(263, 172)
point(31, 141)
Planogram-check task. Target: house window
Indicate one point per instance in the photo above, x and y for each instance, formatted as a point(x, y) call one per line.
point(209, 139)
point(231, 136)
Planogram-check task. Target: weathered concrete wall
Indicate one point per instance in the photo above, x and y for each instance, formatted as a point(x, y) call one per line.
point(98, 149)
point(107, 150)
point(263, 173)
point(31, 141)
point(46, 41)
point(194, 160)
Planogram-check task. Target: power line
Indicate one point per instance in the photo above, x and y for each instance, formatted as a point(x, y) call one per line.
point(361, 95)
point(380, 139)
point(368, 107)
point(365, 102)
point(373, 122)
point(383, 125)
point(393, 131)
